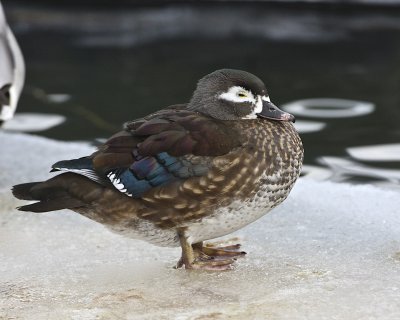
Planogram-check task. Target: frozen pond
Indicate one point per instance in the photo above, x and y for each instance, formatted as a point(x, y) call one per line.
point(331, 251)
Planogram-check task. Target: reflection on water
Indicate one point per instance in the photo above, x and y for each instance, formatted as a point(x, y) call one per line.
point(384, 152)
point(341, 169)
point(347, 170)
point(316, 173)
point(58, 97)
point(306, 126)
point(344, 170)
point(329, 108)
point(101, 68)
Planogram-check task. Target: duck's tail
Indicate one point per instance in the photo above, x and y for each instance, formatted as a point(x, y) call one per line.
point(51, 195)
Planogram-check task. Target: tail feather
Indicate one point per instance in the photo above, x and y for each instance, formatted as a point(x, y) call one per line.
point(50, 195)
point(23, 191)
point(52, 205)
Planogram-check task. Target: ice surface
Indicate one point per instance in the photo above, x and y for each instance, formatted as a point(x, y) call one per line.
point(33, 122)
point(331, 251)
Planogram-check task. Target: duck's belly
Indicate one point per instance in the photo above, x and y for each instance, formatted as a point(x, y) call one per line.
point(145, 230)
point(238, 214)
point(222, 221)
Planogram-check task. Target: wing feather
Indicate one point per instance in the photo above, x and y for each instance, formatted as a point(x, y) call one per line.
point(166, 147)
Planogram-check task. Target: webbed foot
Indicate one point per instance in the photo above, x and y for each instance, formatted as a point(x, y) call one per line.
point(208, 257)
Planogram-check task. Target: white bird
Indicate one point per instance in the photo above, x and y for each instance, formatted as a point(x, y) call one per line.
point(12, 70)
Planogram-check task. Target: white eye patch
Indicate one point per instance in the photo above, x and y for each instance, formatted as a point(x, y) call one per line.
point(238, 94)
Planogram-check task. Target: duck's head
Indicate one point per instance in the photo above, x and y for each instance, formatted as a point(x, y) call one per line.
point(229, 94)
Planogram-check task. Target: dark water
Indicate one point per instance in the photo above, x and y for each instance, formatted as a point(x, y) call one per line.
point(118, 65)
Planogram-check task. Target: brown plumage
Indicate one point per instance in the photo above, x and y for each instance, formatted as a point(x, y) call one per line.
point(185, 174)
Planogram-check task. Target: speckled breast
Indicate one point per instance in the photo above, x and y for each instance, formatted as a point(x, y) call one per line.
point(278, 152)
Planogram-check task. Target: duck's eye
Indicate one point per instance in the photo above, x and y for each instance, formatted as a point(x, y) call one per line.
point(241, 95)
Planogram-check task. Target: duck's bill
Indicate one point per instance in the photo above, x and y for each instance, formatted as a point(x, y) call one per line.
point(271, 111)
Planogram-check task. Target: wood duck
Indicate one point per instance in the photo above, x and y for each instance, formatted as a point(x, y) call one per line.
point(187, 173)
point(12, 70)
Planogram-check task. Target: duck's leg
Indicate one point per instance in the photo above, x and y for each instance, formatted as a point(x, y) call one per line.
point(193, 258)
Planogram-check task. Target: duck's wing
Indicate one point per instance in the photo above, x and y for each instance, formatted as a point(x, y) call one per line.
point(168, 146)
